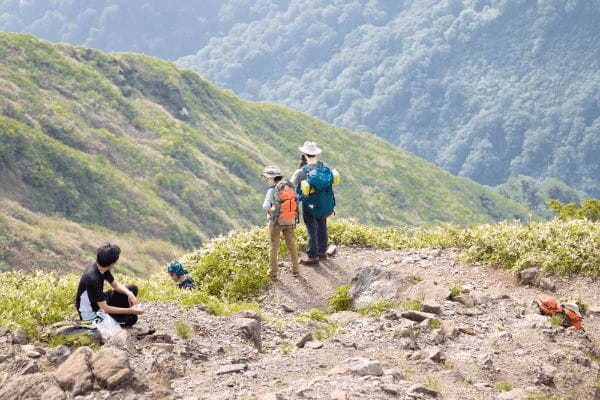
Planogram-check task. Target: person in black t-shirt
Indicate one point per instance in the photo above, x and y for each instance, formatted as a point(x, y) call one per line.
point(91, 298)
point(180, 276)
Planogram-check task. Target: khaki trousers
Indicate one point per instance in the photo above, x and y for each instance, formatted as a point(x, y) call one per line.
point(288, 233)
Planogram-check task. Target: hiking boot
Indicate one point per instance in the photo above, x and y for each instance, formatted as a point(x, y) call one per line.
point(322, 257)
point(309, 261)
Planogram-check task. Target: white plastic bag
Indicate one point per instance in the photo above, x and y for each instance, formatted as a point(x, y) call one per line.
point(107, 326)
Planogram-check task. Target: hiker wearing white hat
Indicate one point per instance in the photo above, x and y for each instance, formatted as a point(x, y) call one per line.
point(282, 211)
point(314, 185)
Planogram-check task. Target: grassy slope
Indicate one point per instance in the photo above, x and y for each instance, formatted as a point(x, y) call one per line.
point(31, 241)
point(136, 145)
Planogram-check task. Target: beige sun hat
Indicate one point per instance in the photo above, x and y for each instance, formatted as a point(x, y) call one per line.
point(310, 148)
point(271, 171)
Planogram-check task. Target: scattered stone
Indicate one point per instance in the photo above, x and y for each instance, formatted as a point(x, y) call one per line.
point(305, 339)
point(392, 389)
point(528, 276)
point(417, 316)
point(24, 387)
point(229, 369)
point(160, 338)
point(314, 345)
point(31, 367)
point(250, 328)
point(515, 394)
point(419, 389)
point(343, 317)
point(19, 336)
point(287, 308)
point(4, 331)
point(465, 300)
point(331, 250)
point(270, 396)
point(57, 355)
point(249, 314)
point(74, 373)
point(111, 368)
point(54, 393)
point(437, 356)
point(358, 366)
point(395, 373)
point(432, 308)
point(391, 315)
point(547, 284)
point(546, 375)
point(593, 311)
point(338, 395)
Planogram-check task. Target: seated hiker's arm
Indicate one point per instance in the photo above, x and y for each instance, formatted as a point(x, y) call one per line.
point(118, 310)
point(117, 286)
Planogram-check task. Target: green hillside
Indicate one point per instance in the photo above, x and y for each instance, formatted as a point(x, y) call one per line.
point(135, 144)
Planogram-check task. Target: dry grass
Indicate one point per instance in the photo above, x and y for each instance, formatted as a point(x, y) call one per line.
point(35, 241)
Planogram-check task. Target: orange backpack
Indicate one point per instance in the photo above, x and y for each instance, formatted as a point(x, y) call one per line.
point(286, 210)
point(550, 306)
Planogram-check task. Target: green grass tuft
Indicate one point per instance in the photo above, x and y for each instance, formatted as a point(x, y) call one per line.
point(183, 330)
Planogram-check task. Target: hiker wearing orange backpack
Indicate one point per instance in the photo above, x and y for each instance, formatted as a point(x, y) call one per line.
point(282, 210)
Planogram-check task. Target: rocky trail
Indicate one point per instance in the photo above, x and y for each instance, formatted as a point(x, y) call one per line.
point(485, 343)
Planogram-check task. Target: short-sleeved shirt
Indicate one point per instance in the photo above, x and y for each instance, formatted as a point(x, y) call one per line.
point(91, 291)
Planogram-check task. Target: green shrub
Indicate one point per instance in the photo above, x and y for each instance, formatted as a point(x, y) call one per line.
point(504, 386)
point(557, 320)
point(183, 330)
point(589, 209)
point(435, 324)
point(314, 315)
point(341, 301)
point(375, 309)
point(456, 289)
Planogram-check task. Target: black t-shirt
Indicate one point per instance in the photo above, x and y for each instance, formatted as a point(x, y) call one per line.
point(187, 284)
point(92, 285)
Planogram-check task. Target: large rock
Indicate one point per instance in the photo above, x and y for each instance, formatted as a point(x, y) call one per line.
point(358, 366)
point(74, 374)
point(417, 316)
point(305, 339)
point(371, 284)
point(58, 355)
point(547, 284)
point(111, 368)
point(422, 390)
point(343, 317)
point(19, 336)
point(26, 387)
point(250, 328)
point(529, 275)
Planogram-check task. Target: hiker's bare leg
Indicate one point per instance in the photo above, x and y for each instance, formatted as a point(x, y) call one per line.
point(291, 245)
point(275, 235)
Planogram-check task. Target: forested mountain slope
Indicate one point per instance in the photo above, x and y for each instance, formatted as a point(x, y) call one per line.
point(488, 89)
point(134, 144)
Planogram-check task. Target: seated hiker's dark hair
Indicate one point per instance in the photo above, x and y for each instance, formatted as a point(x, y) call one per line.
point(108, 254)
point(277, 179)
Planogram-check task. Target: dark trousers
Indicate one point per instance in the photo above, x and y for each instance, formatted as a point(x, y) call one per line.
point(117, 299)
point(317, 234)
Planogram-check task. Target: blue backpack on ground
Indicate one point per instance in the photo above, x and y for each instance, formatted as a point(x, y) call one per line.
point(321, 200)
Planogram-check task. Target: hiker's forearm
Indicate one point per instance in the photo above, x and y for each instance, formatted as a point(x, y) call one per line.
point(115, 310)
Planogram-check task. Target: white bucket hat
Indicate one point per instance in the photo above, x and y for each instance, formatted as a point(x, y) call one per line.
point(271, 172)
point(310, 148)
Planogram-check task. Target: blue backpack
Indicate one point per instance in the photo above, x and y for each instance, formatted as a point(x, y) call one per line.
point(321, 201)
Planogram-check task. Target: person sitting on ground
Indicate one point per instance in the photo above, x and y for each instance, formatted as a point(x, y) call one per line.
point(282, 212)
point(180, 276)
point(119, 303)
point(318, 202)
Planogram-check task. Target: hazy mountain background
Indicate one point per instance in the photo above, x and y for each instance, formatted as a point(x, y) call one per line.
point(487, 89)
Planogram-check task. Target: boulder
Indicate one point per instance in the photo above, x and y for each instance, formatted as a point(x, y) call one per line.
point(331, 250)
point(465, 300)
point(305, 339)
point(111, 368)
point(547, 284)
point(343, 317)
point(54, 393)
point(229, 369)
point(74, 374)
point(417, 316)
point(57, 355)
point(359, 367)
point(26, 387)
point(371, 284)
point(432, 308)
point(422, 390)
point(529, 275)
point(19, 336)
point(250, 329)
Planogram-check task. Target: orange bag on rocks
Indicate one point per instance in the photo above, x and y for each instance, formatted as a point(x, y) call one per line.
point(570, 311)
